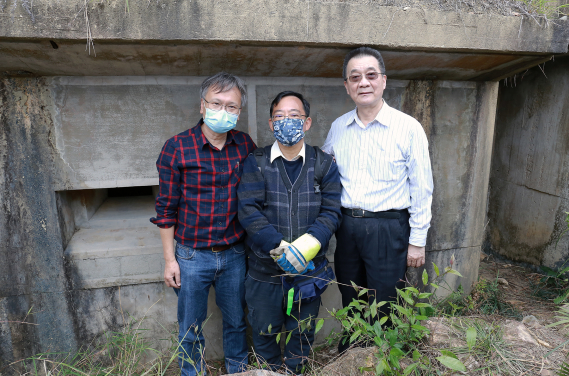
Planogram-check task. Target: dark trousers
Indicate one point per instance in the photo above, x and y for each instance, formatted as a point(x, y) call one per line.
point(372, 253)
point(267, 306)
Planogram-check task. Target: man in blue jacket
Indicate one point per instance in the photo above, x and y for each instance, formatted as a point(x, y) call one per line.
point(289, 205)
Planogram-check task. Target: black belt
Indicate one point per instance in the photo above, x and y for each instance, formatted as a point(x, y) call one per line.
point(360, 213)
point(218, 248)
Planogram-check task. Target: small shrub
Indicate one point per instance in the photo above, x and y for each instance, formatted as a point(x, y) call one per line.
point(398, 341)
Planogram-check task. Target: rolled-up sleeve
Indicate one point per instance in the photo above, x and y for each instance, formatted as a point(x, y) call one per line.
point(169, 189)
point(420, 187)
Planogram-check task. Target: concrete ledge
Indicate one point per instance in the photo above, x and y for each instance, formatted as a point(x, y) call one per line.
point(285, 22)
point(118, 246)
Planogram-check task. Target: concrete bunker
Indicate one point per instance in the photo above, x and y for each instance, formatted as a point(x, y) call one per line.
point(78, 126)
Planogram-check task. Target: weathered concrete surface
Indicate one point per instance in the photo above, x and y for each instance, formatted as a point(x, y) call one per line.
point(529, 185)
point(32, 272)
point(197, 59)
point(42, 122)
point(267, 38)
point(459, 121)
point(283, 21)
point(103, 131)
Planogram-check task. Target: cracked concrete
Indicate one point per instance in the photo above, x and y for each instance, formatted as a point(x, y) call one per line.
point(529, 185)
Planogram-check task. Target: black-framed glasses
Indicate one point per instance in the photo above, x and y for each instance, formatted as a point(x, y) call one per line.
point(216, 106)
point(370, 76)
point(294, 115)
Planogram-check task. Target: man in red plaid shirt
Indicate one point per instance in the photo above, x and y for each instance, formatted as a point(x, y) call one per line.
point(199, 172)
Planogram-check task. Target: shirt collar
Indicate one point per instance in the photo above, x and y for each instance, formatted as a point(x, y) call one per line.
point(202, 140)
point(381, 116)
point(276, 152)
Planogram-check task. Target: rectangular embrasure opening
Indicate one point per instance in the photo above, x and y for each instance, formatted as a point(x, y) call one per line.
point(108, 236)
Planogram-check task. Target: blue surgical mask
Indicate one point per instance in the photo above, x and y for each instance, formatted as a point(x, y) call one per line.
point(288, 131)
point(220, 121)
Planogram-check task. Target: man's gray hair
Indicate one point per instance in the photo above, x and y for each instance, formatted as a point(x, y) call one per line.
point(222, 82)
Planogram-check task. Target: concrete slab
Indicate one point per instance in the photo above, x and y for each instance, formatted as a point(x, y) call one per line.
point(310, 22)
point(118, 246)
point(529, 185)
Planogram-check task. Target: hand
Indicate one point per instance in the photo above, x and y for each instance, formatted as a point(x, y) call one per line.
point(172, 274)
point(291, 260)
point(415, 256)
point(277, 252)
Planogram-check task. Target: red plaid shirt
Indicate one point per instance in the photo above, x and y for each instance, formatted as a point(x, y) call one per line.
point(198, 187)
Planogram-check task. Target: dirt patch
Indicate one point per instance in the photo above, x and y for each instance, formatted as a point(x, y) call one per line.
point(520, 289)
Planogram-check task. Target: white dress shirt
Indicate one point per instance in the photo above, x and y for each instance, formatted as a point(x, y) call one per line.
point(276, 152)
point(384, 165)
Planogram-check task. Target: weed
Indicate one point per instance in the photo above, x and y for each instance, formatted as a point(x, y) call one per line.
point(563, 316)
point(397, 343)
point(489, 300)
point(554, 285)
point(115, 353)
point(455, 304)
point(486, 298)
point(547, 8)
point(486, 348)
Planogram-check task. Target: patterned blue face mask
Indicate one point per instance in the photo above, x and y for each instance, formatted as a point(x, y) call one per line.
point(288, 131)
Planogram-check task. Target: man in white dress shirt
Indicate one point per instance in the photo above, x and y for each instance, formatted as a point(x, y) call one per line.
point(383, 158)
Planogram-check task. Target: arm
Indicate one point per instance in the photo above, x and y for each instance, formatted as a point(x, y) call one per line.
point(169, 187)
point(167, 211)
point(251, 196)
point(421, 191)
point(328, 221)
point(171, 267)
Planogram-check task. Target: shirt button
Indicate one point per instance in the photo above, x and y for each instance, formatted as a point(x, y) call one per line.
point(220, 223)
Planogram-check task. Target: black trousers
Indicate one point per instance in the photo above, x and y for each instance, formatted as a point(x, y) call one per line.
point(372, 253)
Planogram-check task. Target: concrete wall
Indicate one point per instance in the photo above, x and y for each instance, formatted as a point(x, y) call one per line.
point(64, 134)
point(529, 185)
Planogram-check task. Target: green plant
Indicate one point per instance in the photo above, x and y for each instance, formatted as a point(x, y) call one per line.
point(564, 370)
point(489, 300)
point(397, 334)
point(486, 348)
point(547, 8)
point(455, 304)
point(563, 316)
point(115, 353)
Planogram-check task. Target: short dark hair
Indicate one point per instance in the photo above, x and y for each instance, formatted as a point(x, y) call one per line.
point(360, 52)
point(223, 82)
point(283, 94)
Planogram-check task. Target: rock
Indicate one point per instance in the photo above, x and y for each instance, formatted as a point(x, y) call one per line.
point(350, 363)
point(502, 281)
point(470, 363)
point(531, 322)
point(441, 333)
point(515, 333)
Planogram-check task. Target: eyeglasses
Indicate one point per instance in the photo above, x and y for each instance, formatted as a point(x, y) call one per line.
point(370, 76)
point(232, 109)
point(294, 115)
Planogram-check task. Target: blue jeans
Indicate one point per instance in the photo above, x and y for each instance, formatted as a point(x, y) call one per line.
point(225, 270)
point(267, 306)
